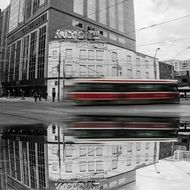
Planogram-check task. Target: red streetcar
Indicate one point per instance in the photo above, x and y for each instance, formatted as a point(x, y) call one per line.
point(127, 91)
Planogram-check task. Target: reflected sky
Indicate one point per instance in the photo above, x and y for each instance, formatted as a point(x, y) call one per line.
point(93, 153)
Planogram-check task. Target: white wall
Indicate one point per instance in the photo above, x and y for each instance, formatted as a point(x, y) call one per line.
point(74, 66)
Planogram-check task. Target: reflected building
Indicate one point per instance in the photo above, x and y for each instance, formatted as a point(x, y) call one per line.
point(41, 157)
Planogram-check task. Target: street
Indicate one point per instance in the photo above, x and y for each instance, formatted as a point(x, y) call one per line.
point(16, 111)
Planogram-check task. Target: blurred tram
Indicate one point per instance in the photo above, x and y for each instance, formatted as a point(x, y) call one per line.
point(125, 91)
point(124, 129)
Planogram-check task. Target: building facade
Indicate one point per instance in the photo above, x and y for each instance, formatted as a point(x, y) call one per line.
point(4, 18)
point(95, 59)
point(166, 70)
point(34, 25)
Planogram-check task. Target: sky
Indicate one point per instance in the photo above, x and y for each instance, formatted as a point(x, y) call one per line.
point(173, 38)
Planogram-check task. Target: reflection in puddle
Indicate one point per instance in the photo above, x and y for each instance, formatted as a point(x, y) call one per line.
point(86, 153)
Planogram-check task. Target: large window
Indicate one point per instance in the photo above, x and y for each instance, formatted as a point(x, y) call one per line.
point(91, 9)
point(7, 64)
point(25, 57)
point(17, 62)
point(78, 6)
point(82, 54)
point(112, 13)
point(68, 167)
point(41, 51)
point(82, 166)
point(32, 62)
point(121, 15)
point(12, 62)
point(102, 11)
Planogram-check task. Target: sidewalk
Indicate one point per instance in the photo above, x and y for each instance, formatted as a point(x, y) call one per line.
point(31, 99)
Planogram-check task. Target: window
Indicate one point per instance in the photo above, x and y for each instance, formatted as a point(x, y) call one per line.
point(113, 37)
point(138, 146)
point(91, 70)
point(91, 9)
point(54, 70)
point(147, 75)
point(147, 145)
point(54, 54)
point(91, 54)
point(90, 166)
point(41, 51)
point(90, 28)
point(129, 74)
point(99, 54)
point(99, 166)
point(114, 164)
point(129, 147)
point(77, 24)
point(54, 167)
point(114, 149)
point(121, 15)
point(102, 13)
point(54, 149)
point(78, 6)
point(82, 70)
point(82, 166)
point(138, 158)
point(129, 159)
point(138, 74)
point(99, 151)
point(68, 53)
point(114, 56)
point(122, 40)
point(112, 13)
point(91, 150)
point(99, 70)
point(82, 150)
point(82, 54)
point(146, 156)
point(138, 62)
point(69, 70)
point(146, 64)
point(68, 167)
point(129, 65)
point(68, 150)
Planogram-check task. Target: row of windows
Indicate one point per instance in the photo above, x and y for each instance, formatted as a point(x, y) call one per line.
point(100, 32)
point(84, 166)
point(33, 47)
point(113, 8)
point(98, 55)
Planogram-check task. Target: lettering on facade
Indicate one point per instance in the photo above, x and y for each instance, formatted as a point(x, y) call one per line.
point(77, 186)
point(77, 34)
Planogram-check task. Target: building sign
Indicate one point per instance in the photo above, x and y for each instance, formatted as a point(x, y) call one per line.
point(77, 186)
point(77, 34)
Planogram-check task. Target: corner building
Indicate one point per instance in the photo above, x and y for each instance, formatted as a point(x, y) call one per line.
point(33, 25)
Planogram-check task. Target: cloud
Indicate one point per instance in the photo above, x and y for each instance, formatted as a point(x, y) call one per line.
point(157, 11)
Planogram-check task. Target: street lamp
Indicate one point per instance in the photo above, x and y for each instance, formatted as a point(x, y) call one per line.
point(155, 68)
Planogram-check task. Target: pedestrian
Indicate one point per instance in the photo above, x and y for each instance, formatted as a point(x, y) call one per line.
point(35, 96)
point(23, 98)
point(45, 96)
point(40, 96)
point(53, 96)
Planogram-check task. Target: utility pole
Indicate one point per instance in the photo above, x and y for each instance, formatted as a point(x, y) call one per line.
point(155, 68)
point(63, 79)
point(58, 69)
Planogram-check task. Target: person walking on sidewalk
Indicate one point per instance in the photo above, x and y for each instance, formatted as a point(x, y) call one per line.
point(35, 96)
point(53, 96)
point(45, 96)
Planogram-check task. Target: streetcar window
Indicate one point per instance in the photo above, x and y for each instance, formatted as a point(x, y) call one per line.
point(148, 87)
point(95, 87)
